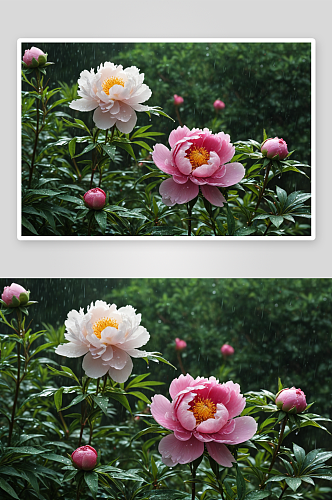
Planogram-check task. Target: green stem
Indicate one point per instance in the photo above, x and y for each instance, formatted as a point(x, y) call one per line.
point(32, 166)
point(18, 379)
point(189, 219)
point(283, 491)
point(178, 116)
point(266, 178)
point(193, 484)
point(275, 454)
point(180, 363)
point(267, 228)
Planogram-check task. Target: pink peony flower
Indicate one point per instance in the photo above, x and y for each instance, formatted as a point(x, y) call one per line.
point(180, 344)
point(178, 100)
point(202, 412)
point(115, 94)
point(34, 57)
point(227, 350)
point(85, 457)
point(218, 104)
point(15, 295)
point(291, 400)
point(95, 198)
point(108, 337)
point(197, 159)
point(274, 148)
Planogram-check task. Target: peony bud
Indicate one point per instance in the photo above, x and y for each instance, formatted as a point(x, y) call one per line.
point(85, 457)
point(178, 100)
point(34, 57)
point(274, 148)
point(95, 198)
point(15, 295)
point(291, 400)
point(227, 350)
point(218, 104)
point(180, 344)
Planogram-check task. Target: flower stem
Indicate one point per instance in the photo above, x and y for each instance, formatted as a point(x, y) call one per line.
point(189, 219)
point(260, 196)
point(18, 379)
point(178, 116)
point(193, 484)
point(180, 363)
point(275, 454)
point(31, 168)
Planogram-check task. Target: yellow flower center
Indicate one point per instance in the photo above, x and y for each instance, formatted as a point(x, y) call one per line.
point(203, 409)
point(113, 80)
point(197, 156)
point(102, 323)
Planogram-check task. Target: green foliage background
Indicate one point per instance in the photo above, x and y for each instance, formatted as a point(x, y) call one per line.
point(278, 327)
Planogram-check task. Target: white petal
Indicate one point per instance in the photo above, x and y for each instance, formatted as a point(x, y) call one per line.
point(84, 104)
point(119, 359)
point(122, 375)
point(127, 127)
point(71, 350)
point(94, 368)
point(103, 120)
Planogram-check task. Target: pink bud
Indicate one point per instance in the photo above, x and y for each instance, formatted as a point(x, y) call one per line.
point(291, 400)
point(180, 344)
point(95, 198)
point(85, 457)
point(15, 295)
point(178, 100)
point(34, 57)
point(274, 148)
point(218, 104)
point(227, 350)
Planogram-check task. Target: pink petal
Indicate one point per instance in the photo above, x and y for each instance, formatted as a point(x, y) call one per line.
point(162, 412)
point(236, 402)
point(180, 452)
point(186, 417)
point(183, 163)
point(72, 350)
point(180, 383)
point(178, 134)
point(123, 374)
point(94, 367)
point(245, 428)
point(234, 172)
point(220, 453)
point(180, 178)
point(213, 195)
point(162, 157)
point(220, 393)
point(173, 193)
point(183, 434)
point(208, 169)
point(212, 143)
point(212, 425)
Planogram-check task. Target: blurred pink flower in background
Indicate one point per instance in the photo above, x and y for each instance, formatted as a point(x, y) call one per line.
point(34, 57)
point(85, 457)
point(291, 400)
point(180, 344)
point(218, 104)
point(15, 295)
point(196, 160)
point(95, 198)
point(202, 412)
point(274, 148)
point(178, 100)
point(227, 350)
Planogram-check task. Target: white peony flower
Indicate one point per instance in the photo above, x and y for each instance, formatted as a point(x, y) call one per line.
point(108, 337)
point(115, 94)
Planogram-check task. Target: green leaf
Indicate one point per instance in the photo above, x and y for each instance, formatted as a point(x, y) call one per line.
point(109, 150)
point(101, 401)
point(88, 148)
point(91, 479)
point(72, 147)
point(276, 220)
point(299, 454)
point(7, 488)
point(257, 495)
point(58, 398)
point(101, 218)
point(141, 396)
point(75, 401)
point(240, 484)
point(29, 226)
point(57, 458)
point(121, 398)
point(230, 222)
point(293, 482)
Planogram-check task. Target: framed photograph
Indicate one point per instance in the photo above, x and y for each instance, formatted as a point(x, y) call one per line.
point(166, 139)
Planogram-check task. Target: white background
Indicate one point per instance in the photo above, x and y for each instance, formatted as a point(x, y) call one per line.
point(173, 19)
